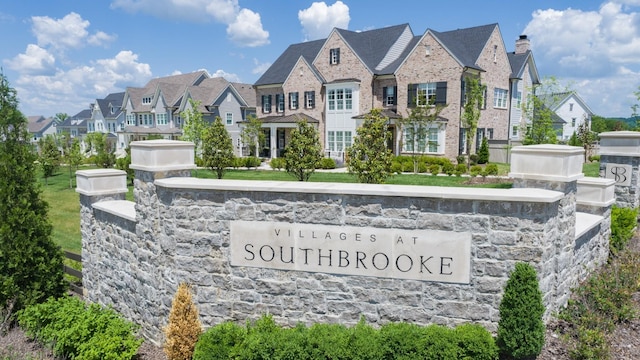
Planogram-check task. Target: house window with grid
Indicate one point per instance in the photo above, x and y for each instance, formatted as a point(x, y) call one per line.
point(426, 94)
point(338, 140)
point(147, 100)
point(266, 104)
point(131, 119)
point(500, 98)
point(518, 99)
point(228, 118)
point(279, 103)
point(340, 99)
point(309, 99)
point(162, 119)
point(334, 56)
point(421, 140)
point(514, 130)
point(293, 100)
point(389, 95)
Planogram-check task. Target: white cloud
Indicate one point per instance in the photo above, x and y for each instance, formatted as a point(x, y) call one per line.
point(35, 60)
point(77, 87)
point(228, 76)
point(67, 33)
point(598, 50)
point(247, 30)
point(244, 26)
point(319, 19)
point(260, 68)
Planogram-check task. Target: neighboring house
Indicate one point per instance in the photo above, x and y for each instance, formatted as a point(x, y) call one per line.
point(524, 77)
point(39, 127)
point(337, 80)
point(76, 125)
point(156, 108)
point(569, 112)
point(107, 117)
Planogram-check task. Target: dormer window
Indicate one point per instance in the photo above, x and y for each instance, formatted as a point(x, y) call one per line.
point(147, 100)
point(334, 56)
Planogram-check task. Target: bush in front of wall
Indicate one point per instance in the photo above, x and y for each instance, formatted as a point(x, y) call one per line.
point(434, 169)
point(448, 168)
point(483, 152)
point(277, 163)
point(521, 329)
point(623, 223)
point(75, 330)
point(327, 163)
point(184, 327)
point(475, 170)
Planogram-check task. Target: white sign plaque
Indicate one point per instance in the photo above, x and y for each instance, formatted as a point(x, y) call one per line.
point(429, 255)
point(621, 173)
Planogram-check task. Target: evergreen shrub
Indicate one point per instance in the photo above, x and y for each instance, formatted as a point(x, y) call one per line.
point(623, 223)
point(483, 152)
point(184, 327)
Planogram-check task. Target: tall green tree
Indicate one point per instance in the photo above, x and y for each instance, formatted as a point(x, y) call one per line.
point(194, 126)
point(30, 262)
point(369, 157)
point(49, 156)
point(101, 150)
point(217, 148)
point(471, 114)
point(252, 134)
point(416, 127)
point(539, 111)
point(303, 153)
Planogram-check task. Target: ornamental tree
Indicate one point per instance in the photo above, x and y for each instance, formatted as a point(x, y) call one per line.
point(369, 158)
point(217, 148)
point(303, 153)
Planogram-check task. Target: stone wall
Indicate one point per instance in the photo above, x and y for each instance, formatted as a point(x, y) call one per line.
point(182, 229)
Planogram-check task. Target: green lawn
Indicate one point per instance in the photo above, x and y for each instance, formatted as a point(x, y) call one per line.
point(64, 202)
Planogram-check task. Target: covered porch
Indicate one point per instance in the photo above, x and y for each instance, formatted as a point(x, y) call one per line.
point(277, 133)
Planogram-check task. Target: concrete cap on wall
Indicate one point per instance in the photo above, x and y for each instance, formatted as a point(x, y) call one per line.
point(101, 182)
point(547, 162)
point(162, 155)
point(596, 192)
point(620, 143)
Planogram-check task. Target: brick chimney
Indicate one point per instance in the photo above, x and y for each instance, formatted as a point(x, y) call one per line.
point(523, 44)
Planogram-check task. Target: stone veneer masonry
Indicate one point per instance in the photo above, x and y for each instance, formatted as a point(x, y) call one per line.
point(135, 254)
point(620, 161)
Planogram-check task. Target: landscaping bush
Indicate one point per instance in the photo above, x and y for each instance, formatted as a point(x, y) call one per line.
point(396, 167)
point(76, 330)
point(623, 224)
point(462, 168)
point(475, 342)
point(483, 152)
point(251, 162)
point(521, 329)
point(490, 169)
point(593, 158)
point(461, 159)
point(184, 327)
point(327, 163)
point(448, 168)
point(434, 169)
point(475, 170)
point(277, 163)
point(219, 341)
point(473, 159)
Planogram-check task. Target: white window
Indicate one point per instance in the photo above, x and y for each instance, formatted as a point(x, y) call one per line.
point(340, 99)
point(389, 96)
point(573, 122)
point(229, 118)
point(514, 130)
point(426, 94)
point(162, 119)
point(334, 56)
point(500, 98)
point(293, 100)
point(147, 100)
point(518, 99)
point(131, 119)
point(279, 102)
point(266, 104)
point(422, 140)
point(338, 140)
point(309, 99)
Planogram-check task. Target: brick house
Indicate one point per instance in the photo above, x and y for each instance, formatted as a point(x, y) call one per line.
point(335, 81)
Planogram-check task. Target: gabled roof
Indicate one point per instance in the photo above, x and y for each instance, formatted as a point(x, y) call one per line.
point(554, 101)
point(193, 78)
point(77, 120)
point(171, 87)
point(113, 99)
point(282, 67)
point(518, 64)
point(466, 44)
point(38, 123)
point(247, 92)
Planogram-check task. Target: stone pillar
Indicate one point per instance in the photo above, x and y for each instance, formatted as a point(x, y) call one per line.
point(620, 161)
point(99, 185)
point(553, 167)
point(153, 160)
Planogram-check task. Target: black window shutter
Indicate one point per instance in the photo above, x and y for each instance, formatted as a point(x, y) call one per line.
point(330, 56)
point(461, 142)
point(312, 96)
point(395, 95)
point(277, 101)
point(263, 102)
point(384, 96)
point(289, 101)
point(411, 95)
point(338, 56)
point(441, 92)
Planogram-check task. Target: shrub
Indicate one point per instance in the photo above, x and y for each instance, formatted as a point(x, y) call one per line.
point(521, 329)
point(439, 343)
point(593, 158)
point(396, 167)
point(475, 170)
point(448, 168)
point(490, 169)
point(79, 331)
point(623, 224)
point(461, 159)
point(473, 159)
point(327, 163)
point(218, 342)
point(251, 162)
point(483, 152)
point(434, 169)
point(183, 329)
point(462, 168)
point(475, 342)
point(277, 163)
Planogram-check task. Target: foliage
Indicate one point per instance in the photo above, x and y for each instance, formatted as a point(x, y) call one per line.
point(303, 152)
point(369, 157)
point(247, 161)
point(489, 169)
point(30, 263)
point(49, 156)
point(475, 170)
point(277, 163)
point(184, 327)
point(483, 152)
point(79, 331)
point(471, 113)
point(586, 138)
point(623, 224)
point(217, 148)
point(434, 169)
point(252, 134)
point(194, 126)
point(521, 329)
point(263, 339)
point(539, 111)
point(327, 163)
point(102, 151)
point(417, 124)
point(72, 155)
point(124, 164)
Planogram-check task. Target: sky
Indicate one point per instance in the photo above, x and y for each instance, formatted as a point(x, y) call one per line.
point(61, 55)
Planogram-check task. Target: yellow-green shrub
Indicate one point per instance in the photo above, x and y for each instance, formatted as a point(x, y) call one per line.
point(184, 326)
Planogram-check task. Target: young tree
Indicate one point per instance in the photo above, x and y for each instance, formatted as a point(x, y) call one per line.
point(471, 114)
point(49, 156)
point(539, 112)
point(101, 150)
point(252, 134)
point(194, 126)
point(483, 152)
point(217, 148)
point(369, 157)
point(30, 262)
point(586, 138)
point(416, 125)
point(303, 153)
point(123, 164)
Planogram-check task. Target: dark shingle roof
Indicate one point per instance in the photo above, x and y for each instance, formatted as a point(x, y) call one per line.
point(282, 67)
point(113, 99)
point(466, 44)
point(372, 46)
point(517, 62)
